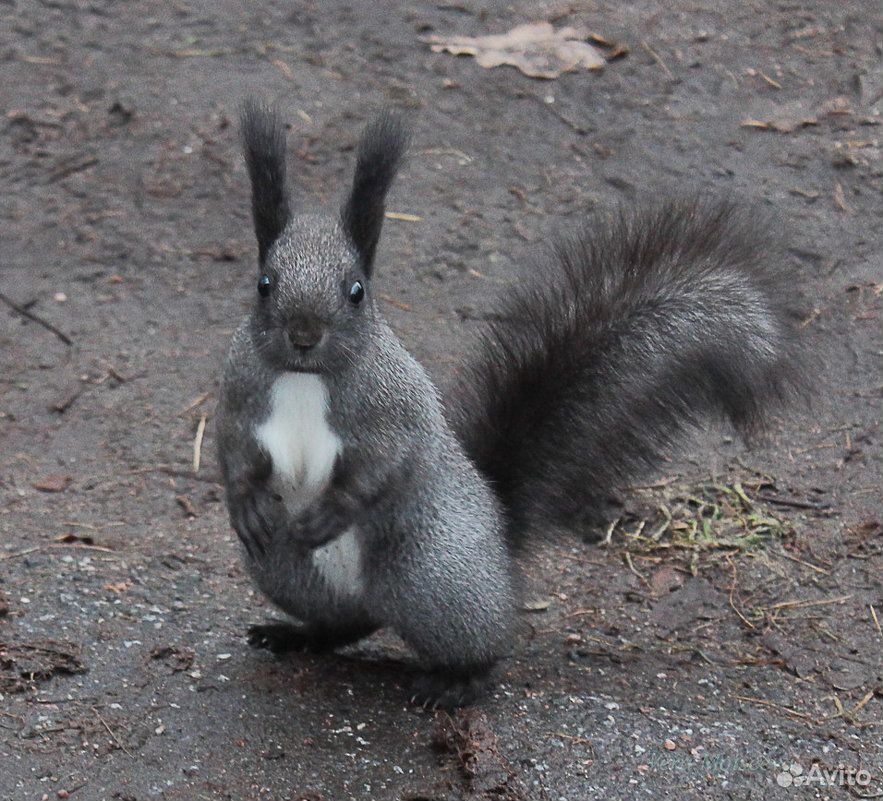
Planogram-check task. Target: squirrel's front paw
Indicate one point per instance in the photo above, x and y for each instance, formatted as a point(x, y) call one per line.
point(321, 523)
point(255, 519)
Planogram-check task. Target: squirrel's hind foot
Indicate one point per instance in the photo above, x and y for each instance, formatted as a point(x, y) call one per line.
point(450, 689)
point(283, 638)
point(280, 638)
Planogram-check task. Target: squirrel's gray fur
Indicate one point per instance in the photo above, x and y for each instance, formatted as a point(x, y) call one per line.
point(362, 501)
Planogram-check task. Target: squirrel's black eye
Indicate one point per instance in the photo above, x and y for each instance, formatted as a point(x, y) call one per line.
point(357, 293)
point(264, 285)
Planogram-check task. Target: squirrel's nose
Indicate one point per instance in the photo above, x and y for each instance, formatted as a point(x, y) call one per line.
point(305, 333)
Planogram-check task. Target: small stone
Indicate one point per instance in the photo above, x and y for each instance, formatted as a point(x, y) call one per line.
point(669, 745)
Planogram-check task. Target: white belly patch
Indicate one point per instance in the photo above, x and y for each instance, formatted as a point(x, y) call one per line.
point(298, 439)
point(340, 564)
point(303, 448)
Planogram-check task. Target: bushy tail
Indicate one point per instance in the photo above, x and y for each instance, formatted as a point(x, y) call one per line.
point(633, 333)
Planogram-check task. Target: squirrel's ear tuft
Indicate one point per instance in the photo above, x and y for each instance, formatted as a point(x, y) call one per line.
point(381, 149)
point(263, 141)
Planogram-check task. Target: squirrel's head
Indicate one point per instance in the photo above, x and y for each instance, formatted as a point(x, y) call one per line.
point(313, 300)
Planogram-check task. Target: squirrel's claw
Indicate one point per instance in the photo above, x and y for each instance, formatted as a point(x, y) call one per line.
point(449, 689)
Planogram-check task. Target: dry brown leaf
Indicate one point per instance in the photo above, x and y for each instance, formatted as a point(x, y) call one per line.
point(55, 482)
point(786, 123)
point(536, 48)
point(187, 505)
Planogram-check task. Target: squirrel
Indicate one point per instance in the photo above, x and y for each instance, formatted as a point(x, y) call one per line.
point(363, 500)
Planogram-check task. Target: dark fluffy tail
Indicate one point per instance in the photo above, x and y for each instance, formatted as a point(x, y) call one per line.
point(635, 331)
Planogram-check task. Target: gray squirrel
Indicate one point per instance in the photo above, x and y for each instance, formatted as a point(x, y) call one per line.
point(363, 500)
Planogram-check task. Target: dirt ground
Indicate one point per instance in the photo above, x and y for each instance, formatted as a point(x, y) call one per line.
point(730, 628)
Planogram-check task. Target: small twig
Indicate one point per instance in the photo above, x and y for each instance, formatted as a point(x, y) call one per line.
point(631, 566)
point(858, 794)
point(402, 216)
point(840, 199)
point(572, 738)
point(15, 555)
point(63, 700)
point(810, 318)
point(657, 59)
point(578, 129)
point(61, 406)
point(656, 535)
point(819, 447)
point(819, 505)
point(71, 166)
point(861, 704)
point(77, 544)
point(609, 535)
point(34, 318)
point(810, 565)
point(764, 702)
point(661, 484)
point(197, 442)
point(771, 81)
point(849, 714)
point(841, 712)
point(116, 375)
point(111, 733)
point(876, 621)
point(805, 604)
point(692, 649)
point(393, 302)
point(732, 603)
point(83, 545)
point(177, 472)
point(582, 560)
point(448, 151)
point(197, 401)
